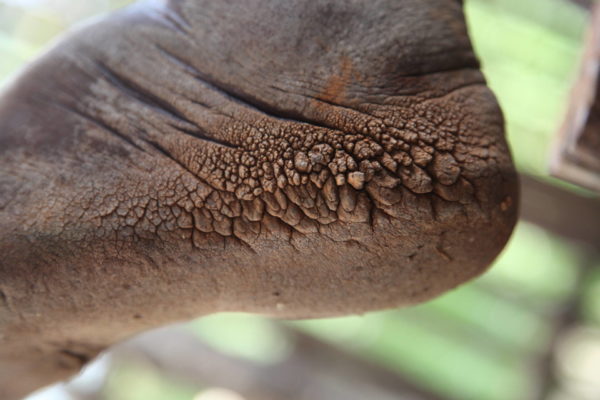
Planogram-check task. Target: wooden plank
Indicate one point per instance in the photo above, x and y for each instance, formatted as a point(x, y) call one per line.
point(576, 154)
point(583, 3)
point(561, 212)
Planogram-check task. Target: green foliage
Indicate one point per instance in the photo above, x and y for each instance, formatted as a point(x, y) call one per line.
point(243, 336)
point(591, 297)
point(130, 382)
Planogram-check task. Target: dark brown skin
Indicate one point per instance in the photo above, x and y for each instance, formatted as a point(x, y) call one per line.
point(293, 159)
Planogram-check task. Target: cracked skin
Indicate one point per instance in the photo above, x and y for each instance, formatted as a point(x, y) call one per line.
point(298, 159)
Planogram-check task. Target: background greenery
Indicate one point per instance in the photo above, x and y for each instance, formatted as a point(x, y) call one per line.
point(483, 341)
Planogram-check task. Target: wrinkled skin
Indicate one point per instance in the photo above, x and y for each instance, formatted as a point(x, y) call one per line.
point(293, 159)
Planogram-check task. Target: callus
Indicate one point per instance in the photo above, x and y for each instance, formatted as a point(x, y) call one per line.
point(294, 159)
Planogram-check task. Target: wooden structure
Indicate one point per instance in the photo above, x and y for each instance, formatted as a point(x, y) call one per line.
point(576, 155)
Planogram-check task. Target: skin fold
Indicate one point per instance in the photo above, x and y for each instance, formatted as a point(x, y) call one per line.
point(293, 159)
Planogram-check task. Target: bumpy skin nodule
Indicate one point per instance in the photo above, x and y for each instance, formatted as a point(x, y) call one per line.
point(294, 159)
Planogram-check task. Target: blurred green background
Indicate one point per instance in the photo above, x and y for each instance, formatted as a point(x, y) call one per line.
point(527, 329)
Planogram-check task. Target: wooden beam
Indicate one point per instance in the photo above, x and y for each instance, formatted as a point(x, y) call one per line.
point(559, 211)
point(583, 3)
point(576, 154)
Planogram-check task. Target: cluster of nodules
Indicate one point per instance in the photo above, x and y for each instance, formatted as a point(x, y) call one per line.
point(276, 158)
point(302, 178)
point(313, 187)
point(315, 178)
point(353, 159)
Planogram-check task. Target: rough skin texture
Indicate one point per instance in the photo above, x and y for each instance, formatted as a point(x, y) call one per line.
point(294, 159)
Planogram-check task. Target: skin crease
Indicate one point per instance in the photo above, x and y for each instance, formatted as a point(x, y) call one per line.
point(292, 159)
